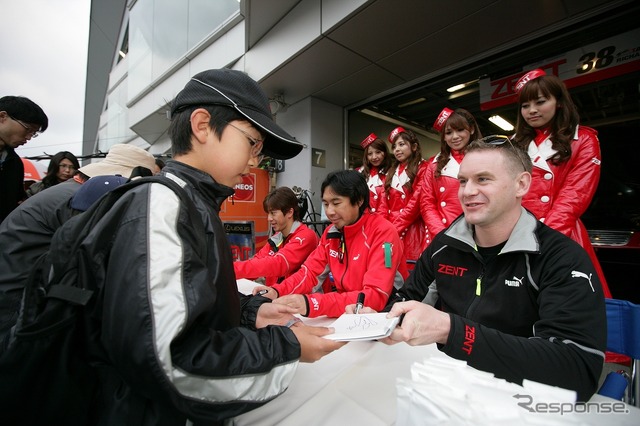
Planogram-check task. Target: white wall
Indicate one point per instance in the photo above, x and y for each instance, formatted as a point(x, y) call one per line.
point(317, 124)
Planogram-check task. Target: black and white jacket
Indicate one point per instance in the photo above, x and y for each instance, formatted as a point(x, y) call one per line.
point(177, 341)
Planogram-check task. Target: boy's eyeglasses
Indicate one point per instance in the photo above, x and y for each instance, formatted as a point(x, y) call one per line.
point(500, 140)
point(30, 131)
point(256, 144)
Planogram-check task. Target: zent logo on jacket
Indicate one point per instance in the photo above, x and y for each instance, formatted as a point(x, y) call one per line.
point(469, 339)
point(451, 270)
point(315, 303)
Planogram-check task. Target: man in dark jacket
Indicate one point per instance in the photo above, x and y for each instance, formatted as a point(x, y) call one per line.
point(20, 121)
point(26, 232)
point(511, 295)
point(177, 342)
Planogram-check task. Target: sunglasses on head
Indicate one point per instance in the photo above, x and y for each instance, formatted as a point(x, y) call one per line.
point(501, 140)
point(496, 140)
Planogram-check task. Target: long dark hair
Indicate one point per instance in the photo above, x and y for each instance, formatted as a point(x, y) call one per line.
point(380, 145)
point(412, 163)
point(461, 119)
point(564, 122)
point(51, 178)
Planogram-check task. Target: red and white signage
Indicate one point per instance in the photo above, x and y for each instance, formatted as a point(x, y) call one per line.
point(246, 191)
point(605, 59)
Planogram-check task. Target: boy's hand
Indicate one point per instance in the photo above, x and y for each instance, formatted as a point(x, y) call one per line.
point(296, 301)
point(312, 345)
point(273, 314)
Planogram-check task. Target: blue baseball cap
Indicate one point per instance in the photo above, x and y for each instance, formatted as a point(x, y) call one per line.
point(93, 189)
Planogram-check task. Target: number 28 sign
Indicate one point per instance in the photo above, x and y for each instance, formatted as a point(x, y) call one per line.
point(607, 58)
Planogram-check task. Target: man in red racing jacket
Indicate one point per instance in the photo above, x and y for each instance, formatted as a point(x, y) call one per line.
point(362, 251)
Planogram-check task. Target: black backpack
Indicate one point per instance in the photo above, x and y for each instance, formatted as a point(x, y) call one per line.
point(46, 377)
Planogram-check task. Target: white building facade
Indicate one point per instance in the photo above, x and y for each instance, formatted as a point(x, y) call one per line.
point(329, 66)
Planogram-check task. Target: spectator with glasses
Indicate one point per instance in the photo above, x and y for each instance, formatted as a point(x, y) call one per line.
point(27, 231)
point(61, 168)
point(177, 343)
point(503, 291)
point(20, 120)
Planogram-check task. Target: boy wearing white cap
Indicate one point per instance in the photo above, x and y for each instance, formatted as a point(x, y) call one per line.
point(177, 342)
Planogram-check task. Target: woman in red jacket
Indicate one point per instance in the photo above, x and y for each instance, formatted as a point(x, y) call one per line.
point(287, 248)
point(565, 156)
point(402, 181)
point(375, 163)
point(436, 199)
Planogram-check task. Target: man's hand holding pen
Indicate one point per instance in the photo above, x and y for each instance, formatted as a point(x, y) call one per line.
point(359, 307)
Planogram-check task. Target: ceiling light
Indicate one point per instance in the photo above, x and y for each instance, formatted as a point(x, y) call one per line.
point(461, 86)
point(455, 88)
point(413, 102)
point(501, 122)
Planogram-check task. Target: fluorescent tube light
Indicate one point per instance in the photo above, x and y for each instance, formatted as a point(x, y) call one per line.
point(461, 86)
point(413, 102)
point(501, 122)
point(456, 87)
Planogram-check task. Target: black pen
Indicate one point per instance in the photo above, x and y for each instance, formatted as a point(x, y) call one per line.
point(401, 319)
point(401, 316)
point(262, 292)
point(359, 303)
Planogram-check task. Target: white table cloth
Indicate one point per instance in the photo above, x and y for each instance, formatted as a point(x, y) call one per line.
point(356, 385)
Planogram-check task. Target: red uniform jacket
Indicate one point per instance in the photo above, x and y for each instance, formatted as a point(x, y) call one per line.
point(280, 257)
point(375, 182)
point(366, 257)
point(414, 236)
point(436, 200)
point(560, 194)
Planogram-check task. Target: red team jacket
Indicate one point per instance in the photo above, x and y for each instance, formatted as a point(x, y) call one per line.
point(366, 257)
point(280, 257)
point(375, 182)
point(436, 200)
point(560, 194)
point(413, 237)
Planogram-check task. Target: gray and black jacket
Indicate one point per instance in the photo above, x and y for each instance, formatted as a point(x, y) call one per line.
point(535, 311)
